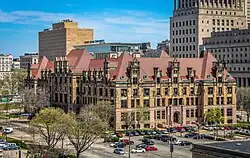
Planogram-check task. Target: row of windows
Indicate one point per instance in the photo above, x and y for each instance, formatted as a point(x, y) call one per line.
point(222, 22)
point(212, 41)
point(184, 23)
point(219, 101)
point(243, 82)
point(233, 33)
point(184, 40)
point(184, 55)
point(239, 69)
point(221, 13)
point(184, 32)
point(183, 48)
point(186, 13)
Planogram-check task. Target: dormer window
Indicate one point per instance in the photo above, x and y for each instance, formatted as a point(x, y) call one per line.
point(158, 80)
point(219, 79)
point(135, 80)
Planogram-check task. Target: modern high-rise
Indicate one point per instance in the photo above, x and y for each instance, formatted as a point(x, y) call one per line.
point(195, 19)
point(59, 41)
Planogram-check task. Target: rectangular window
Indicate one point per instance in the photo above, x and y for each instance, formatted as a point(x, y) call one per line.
point(146, 91)
point(210, 90)
point(229, 100)
point(222, 112)
point(163, 101)
point(135, 92)
point(163, 115)
point(100, 92)
point(222, 100)
point(187, 113)
point(187, 101)
point(192, 91)
point(196, 101)
point(158, 91)
point(175, 80)
point(137, 102)
point(218, 100)
point(146, 102)
point(210, 101)
point(184, 91)
point(192, 101)
point(124, 92)
point(135, 80)
point(192, 113)
point(169, 101)
point(158, 102)
point(112, 93)
point(132, 103)
point(229, 112)
point(166, 91)
point(158, 115)
point(229, 90)
point(180, 101)
point(220, 90)
point(175, 91)
point(124, 104)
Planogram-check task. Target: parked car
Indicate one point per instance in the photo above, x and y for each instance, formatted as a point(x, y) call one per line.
point(142, 145)
point(153, 132)
point(165, 132)
point(113, 144)
point(180, 129)
point(172, 130)
point(11, 147)
point(199, 136)
point(148, 132)
point(177, 142)
point(129, 133)
point(185, 143)
point(150, 148)
point(135, 133)
point(119, 134)
point(190, 135)
point(138, 150)
point(126, 141)
point(120, 145)
point(119, 151)
point(8, 130)
point(141, 132)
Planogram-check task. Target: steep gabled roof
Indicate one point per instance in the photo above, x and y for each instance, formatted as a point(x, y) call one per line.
point(79, 60)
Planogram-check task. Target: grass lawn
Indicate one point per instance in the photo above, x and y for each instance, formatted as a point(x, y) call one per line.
point(10, 106)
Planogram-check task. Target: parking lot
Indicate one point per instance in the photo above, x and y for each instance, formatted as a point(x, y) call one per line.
point(104, 149)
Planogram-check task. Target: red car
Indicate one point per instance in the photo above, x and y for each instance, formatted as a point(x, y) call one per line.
point(150, 148)
point(126, 141)
point(118, 134)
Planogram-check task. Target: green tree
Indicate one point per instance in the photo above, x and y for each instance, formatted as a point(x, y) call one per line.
point(214, 116)
point(51, 125)
point(243, 100)
point(85, 129)
point(13, 82)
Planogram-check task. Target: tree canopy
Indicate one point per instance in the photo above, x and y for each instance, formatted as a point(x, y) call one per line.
point(214, 116)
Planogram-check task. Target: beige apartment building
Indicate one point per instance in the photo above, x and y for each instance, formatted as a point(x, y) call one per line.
point(59, 40)
point(195, 19)
point(233, 47)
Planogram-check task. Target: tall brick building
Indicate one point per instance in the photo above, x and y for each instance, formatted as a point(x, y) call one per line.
point(59, 40)
point(174, 91)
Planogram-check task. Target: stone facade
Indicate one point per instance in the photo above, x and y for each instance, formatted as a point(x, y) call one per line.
point(232, 47)
point(171, 91)
point(193, 20)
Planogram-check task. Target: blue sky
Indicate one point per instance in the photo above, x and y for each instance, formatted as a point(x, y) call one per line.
point(112, 20)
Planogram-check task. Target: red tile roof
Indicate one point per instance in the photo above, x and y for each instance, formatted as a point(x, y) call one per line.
point(80, 60)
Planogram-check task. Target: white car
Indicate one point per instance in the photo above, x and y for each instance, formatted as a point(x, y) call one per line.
point(113, 144)
point(177, 142)
point(138, 150)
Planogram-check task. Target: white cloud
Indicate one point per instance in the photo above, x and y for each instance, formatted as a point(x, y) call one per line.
point(127, 26)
